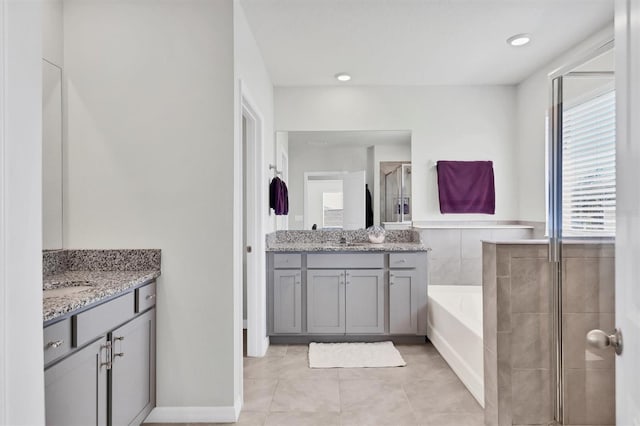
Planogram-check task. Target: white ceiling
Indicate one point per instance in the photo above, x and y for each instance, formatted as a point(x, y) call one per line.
point(351, 138)
point(416, 42)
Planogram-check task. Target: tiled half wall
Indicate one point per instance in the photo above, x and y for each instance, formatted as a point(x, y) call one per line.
point(517, 325)
point(456, 252)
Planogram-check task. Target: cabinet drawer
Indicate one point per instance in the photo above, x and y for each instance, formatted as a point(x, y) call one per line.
point(90, 324)
point(57, 340)
point(145, 297)
point(347, 261)
point(404, 260)
point(291, 260)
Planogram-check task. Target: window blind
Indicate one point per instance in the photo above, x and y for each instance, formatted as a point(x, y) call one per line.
point(589, 167)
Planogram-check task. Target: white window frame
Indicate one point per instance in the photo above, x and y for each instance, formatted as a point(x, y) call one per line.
point(568, 232)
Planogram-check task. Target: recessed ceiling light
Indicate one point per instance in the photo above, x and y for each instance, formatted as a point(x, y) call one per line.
point(519, 40)
point(343, 76)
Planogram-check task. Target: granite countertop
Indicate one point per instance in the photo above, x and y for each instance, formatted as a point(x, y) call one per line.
point(329, 241)
point(74, 280)
point(337, 247)
point(96, 287)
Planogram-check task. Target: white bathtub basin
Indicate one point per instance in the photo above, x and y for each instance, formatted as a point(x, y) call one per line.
point(455, 329)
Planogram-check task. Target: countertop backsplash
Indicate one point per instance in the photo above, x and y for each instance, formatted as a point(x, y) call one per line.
point(59, 261)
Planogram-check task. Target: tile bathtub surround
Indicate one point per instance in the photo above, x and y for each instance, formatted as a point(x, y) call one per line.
point(517, 325)
point(456, 256)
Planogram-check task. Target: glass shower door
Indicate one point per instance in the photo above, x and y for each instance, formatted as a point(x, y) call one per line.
point(582, 230)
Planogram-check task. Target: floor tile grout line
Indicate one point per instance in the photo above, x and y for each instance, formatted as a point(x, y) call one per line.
point(406, 395)
point(273, 396)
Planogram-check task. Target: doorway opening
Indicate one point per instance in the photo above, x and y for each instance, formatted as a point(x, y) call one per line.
point(253, 306)
point(334, 200)
point(395, 192)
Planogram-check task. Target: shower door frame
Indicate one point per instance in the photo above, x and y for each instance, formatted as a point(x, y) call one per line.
point(554, 210)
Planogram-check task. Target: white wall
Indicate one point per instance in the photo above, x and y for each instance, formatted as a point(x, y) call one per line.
point(447, 123)
point(252, 76)
point(282, 163)
point(533, 97)
point(52, 64)
point(21, 355)
point(150, 144)
point(309, 158)
point(52, 35)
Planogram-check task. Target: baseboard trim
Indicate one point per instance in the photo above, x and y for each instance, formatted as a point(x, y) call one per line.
point(228, 414)
point(265, 345)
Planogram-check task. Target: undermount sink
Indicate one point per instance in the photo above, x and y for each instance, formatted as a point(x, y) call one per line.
point(352, 244)
point(65, 288)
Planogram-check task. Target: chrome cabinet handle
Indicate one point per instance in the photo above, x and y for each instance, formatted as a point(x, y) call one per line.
point(403, 261)
point(150, 296)
point(118, 338)
point(107, 364)
point(55, 344)
point(120, 354)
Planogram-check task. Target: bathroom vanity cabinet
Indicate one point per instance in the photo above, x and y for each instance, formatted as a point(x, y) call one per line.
point(287, 300)
point(100, 363)
point(341, 295)
point(343, 301)
point(404, 293)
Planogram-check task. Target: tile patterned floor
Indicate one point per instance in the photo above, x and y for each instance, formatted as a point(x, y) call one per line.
point(280, 390)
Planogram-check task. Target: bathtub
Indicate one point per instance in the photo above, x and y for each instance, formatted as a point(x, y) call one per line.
point(455, 329)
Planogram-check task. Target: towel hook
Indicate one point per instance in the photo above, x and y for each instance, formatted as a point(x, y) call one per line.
point(275, 168)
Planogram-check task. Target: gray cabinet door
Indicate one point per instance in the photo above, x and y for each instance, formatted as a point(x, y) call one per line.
point(325, 301)
point(76, 388)
point(364, 301)
point(133, 370)
point(403, 302)
point(287, 301)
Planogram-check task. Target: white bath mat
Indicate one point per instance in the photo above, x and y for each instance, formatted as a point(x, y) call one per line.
point(351, 355)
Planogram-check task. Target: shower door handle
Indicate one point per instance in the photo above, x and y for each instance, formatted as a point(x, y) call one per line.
point(599, 339)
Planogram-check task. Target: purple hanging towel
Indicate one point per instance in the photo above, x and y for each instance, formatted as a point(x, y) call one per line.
point(466, 187)
point(282, 204)
point(274, 190)
point(279, 196)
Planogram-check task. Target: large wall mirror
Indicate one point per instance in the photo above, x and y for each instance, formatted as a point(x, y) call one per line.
point(51, 156)
point(346, 179)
